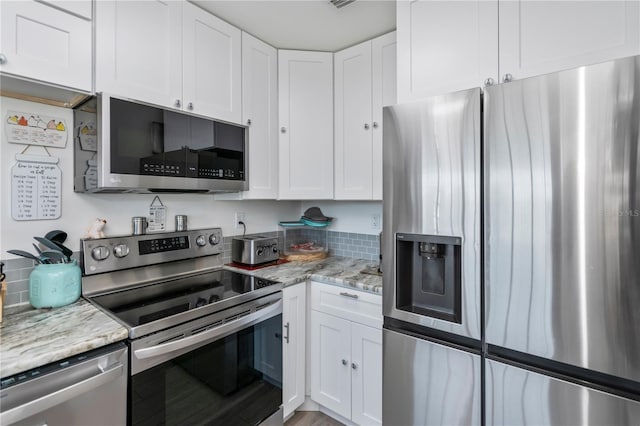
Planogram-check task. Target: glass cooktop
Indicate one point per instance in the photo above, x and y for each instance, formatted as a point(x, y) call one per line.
point(152, 302)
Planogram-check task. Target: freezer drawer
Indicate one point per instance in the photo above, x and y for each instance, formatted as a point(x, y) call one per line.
point(426, 383)
point(518, 396)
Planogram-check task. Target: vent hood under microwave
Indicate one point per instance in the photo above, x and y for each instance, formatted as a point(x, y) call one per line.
point(127, 146)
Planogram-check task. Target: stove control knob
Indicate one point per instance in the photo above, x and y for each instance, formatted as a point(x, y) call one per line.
point(213, 239)
point(121, 250)
point(100, 253)
point(274, 248)
point(259, 251)
point(201, 241)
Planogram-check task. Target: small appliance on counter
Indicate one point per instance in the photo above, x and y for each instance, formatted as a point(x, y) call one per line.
point(254, 250)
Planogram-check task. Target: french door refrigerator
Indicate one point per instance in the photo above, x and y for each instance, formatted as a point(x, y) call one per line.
point(562, 247)
point(431, 261)
point(511, 257)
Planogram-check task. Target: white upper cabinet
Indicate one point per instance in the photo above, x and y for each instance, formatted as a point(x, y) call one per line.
point(305, 85)
point(353, 126)
point(172, 54)
point(445, 46)
point(43, 43)
point(139, 50)
point(365, 81)
point(260, 113)
point(448, 46)
point(539, 37)
point(211, 67)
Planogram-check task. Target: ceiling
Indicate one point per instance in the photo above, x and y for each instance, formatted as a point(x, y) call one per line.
point(307, 24)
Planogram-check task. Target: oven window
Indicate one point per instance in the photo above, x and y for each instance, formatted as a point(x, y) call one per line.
point(236, 380)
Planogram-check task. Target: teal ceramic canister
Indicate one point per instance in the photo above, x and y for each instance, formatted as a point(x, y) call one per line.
point(54, 285)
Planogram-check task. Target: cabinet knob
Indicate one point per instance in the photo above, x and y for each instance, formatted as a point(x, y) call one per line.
point(366, 126)
point(354, 365)
point(489, 82)
point(190, 106)
point(283, 130)
point(345, 362)
point(177, 103)
point(375, 124)
point(507, 78)
point(3, 59)
point(249, 122)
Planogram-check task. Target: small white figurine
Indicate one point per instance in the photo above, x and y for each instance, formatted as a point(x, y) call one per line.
point(95, 231)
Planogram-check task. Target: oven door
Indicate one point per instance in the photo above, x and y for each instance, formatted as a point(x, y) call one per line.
point(224, 369)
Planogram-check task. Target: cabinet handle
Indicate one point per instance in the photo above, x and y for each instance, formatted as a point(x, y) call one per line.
point(3, 59)
point(283, 130)
point(375, 124)
point(286, 337)
point(177, 103)
point(345, 362)
point(249, 122)
point(354, 365)
point(507, 78)
point(489, 81)
point(190, 106)
point(345, 294)
point(366, 126)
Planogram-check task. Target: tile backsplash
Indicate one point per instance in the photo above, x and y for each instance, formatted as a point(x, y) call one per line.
point(359, 246)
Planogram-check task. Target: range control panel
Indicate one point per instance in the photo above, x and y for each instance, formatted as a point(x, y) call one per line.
point(117, 253)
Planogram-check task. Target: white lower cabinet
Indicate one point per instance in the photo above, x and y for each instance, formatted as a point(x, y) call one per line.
point(346, 356)
point(294, 313)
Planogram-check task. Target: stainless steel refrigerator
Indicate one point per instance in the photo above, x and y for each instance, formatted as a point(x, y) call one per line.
point(562, 247)
point(511, 253)
point(431, 261)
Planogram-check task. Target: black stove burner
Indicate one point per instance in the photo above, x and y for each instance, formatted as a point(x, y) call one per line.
point(159, 300)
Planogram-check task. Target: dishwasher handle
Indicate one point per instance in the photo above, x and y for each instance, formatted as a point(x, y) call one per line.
point(60, 396)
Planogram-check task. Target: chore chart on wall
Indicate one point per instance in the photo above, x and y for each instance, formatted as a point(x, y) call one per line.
point(36, 178)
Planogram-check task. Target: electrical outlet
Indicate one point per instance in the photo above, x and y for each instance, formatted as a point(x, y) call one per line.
point(239, 218)
point(375, 221)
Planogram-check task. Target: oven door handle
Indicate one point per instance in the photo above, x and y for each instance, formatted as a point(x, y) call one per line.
point(212, 334)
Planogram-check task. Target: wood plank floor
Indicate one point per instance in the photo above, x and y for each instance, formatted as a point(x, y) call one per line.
point(311, 418)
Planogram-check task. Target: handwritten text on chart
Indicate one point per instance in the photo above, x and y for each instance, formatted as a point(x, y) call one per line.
point(35, 191)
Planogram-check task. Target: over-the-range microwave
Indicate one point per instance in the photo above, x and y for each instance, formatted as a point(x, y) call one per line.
point(127, 146)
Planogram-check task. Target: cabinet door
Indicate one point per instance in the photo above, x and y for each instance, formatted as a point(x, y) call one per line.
point(385, 82)
point(305, 84)
point(139, 50)
point(294, 361)
point(44, 43)
point(445, 46)
point(353, 127)
point(211, 65)
point(331, 362)
point(260, 113)
point(366, 375)
point(539, 37)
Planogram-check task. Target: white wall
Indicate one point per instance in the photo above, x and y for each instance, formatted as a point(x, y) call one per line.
point(79, 211)
point(350, 216)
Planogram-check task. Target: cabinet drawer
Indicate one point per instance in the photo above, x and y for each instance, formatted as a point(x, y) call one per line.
point(354, 305)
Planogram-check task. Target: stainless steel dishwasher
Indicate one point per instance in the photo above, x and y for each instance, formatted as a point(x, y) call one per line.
point(86, 389)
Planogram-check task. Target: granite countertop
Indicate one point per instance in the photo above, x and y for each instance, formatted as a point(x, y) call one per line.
point(30, 338)
point(342, 271)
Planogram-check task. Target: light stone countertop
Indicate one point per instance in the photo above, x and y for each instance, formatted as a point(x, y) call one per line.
point(31, 338)
point(342, 271)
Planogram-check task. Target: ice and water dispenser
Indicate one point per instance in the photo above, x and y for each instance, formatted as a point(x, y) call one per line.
point(429, 277)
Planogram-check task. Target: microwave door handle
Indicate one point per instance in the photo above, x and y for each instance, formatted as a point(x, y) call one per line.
point(212, 334)
point(157, 137)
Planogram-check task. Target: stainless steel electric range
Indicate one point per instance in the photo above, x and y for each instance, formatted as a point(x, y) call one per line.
point(205, 343)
